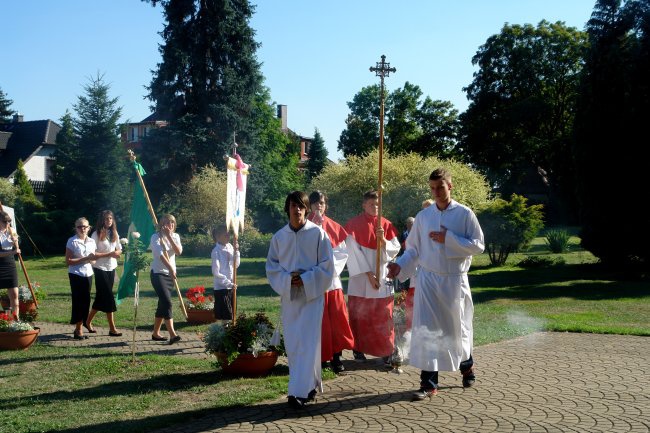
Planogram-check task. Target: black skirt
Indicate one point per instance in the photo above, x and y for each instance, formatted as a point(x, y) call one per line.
point(8, 274)
point(80, 291)
point(163, 285)
point(104, 299)
point(223, 304)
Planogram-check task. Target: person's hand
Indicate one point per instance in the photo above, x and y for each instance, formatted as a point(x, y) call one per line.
point(374, 282)
point(115, 254)
point(90, 257)
point(234, 286)
point(17, 251)
point(439, 236)
point(380, 235)
point(173, 274)
point(393, 270)
point(296, 280)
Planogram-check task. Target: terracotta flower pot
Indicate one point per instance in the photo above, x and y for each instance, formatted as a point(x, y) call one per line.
point(26, 306)
point(20, 340)
point(248, 365)
point(200, 316)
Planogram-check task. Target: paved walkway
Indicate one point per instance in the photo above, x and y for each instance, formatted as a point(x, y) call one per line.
point(544, 382)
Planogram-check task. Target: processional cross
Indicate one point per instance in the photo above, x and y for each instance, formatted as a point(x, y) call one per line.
point(381, 70)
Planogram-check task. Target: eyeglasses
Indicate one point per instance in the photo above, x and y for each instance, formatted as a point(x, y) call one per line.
point(83, 227)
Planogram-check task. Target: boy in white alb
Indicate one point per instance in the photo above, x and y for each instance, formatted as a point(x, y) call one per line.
point(223, 271)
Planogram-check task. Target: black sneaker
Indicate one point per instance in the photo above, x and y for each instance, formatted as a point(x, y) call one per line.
point(324, 365)
point(312, 395)
point(295, 402)
point(338, 367)
point(469, 378)
point(423, 393)
point(359, 356)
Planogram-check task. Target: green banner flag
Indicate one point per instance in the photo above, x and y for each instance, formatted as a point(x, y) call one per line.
point(142, 224)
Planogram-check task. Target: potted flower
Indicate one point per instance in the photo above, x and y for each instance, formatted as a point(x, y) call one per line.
point(26, 304)
point(200, 308)
point(14, 334)
point(249, 347)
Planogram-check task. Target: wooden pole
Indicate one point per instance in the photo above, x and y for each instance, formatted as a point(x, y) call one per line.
point(234, 280)
point(155, 222)
point(382, 70)
point(22, 265)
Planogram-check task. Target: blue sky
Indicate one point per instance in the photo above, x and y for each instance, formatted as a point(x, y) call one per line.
point(315, 54)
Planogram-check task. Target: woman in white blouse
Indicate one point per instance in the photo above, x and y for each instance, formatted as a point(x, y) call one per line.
point(108, 251)
point(8, 249)
point(79, 254)
point(165, 246)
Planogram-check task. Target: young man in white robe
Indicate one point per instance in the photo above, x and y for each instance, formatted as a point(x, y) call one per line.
point(442, 242)
point(300, 268)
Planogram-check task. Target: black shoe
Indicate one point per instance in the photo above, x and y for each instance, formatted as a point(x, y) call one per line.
point(423, 393)
point(324, 365)
point(114, 334)
point(359, 356)
point(469, 378)
point(295, 402)
point(388, 362)
point(338, 368)
point(89, 329)
point(79, 336)
point(312, 395)
point(154, 338)
point(175, 339)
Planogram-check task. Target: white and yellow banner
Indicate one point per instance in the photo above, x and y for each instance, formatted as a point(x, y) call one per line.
point(236, 193)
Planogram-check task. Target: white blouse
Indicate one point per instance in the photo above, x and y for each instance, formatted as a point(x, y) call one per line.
point(106, 246)
point(6, 241)
point(157, 247)
point(81, 248)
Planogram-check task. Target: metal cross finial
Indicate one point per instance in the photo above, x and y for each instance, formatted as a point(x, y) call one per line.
point(234, 143)
point(382, 69)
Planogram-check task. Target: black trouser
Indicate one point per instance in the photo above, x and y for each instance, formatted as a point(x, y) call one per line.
point(429, 379)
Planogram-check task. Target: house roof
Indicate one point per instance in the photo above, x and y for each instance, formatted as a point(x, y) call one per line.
point(23, 139)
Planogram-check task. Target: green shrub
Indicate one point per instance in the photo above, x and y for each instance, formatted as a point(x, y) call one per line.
point(558, 240)
point(540, 262)
point(405, 181)
point(509, 226)
point(252, 243)
point(197, 245)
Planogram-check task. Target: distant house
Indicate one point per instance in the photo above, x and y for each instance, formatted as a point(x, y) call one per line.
point(305, 142)
point(33, 142)
point(133, 133)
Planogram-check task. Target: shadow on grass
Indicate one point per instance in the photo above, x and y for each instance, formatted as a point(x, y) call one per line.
point(584, 282)
point(166, 382)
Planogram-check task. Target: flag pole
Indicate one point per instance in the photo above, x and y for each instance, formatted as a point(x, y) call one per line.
point(382, 69)
point(155, 223)
point(236, 248)
point(22, 265)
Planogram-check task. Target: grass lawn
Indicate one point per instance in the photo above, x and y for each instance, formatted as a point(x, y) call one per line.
point(77, 389)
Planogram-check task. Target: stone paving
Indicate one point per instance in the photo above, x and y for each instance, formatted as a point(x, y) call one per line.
point(543, 382)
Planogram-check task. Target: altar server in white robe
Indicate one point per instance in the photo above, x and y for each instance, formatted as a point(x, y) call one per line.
point(300, 268)
point(442, 242)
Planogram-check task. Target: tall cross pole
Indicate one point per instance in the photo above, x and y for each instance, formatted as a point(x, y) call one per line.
point(234, 254)
point(381, 70)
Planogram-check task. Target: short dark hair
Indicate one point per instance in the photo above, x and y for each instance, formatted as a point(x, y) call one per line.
point(316, 196)
point(371, 195)
point(440, 173)
point(218, 231)
point(297, 197)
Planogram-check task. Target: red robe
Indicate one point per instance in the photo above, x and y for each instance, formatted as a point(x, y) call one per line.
point(371, 310)
point(336, 334)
